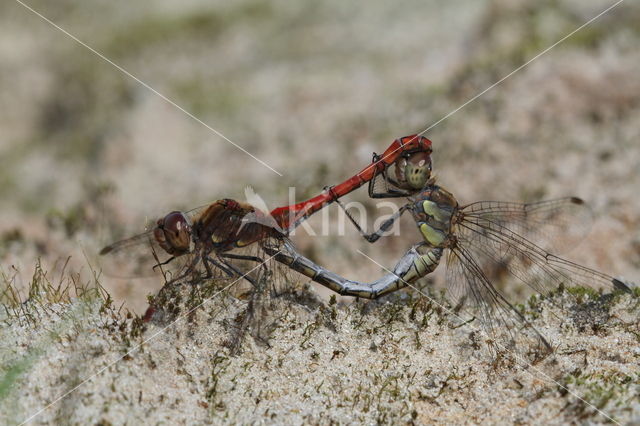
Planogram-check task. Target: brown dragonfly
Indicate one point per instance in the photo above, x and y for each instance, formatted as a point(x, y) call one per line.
point(181, 242)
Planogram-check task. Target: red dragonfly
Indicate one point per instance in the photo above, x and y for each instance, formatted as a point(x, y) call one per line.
point(182, 241)
point(481, 242)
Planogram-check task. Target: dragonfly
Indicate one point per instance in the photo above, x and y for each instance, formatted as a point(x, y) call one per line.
point(181, 244)
point(475, 240)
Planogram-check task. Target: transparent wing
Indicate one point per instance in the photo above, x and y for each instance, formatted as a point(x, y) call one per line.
point(555, 225)
point(490, 242)
point(268, 281)
point(497, 245)
point(138, 256)
point(142, 256)
point(194, 213)
point(472, 292)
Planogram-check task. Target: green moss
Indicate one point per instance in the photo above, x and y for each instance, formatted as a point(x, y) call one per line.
point(600, 389)
point(202, 96)
point(163, 29)
point(42, 293)
point(12, 374)
point(589, 36)
point(219, 365)
point(583, 293)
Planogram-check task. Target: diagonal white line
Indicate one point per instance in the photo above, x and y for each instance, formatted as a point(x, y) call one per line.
point(134, 349)
point(275, 171)
point(147, 86)
point(520, 67)
point(496, 343)
point(508, 75)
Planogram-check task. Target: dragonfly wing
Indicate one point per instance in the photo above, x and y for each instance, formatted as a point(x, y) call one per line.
point(126, 244)
point(471, 291)
point(521, 258)
point(138, 256)
point(555, 225)
point(194, 213)
point(141, 255)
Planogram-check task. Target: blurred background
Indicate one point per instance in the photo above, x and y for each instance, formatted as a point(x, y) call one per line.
point(89, 155)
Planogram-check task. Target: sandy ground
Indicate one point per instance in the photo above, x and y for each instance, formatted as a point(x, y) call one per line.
point(87, 155)
point(292, 359)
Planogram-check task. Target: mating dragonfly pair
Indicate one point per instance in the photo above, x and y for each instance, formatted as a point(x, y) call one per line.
point(476, 239)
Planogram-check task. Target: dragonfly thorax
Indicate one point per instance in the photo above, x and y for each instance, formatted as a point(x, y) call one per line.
point(433, 210)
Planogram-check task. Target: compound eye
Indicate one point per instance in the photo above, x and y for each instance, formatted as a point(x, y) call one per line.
point(175, 222)
point(175, 233)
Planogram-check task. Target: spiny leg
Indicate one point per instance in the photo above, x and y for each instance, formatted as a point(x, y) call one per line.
point(254, 315)
point(187, 271)
point(390, 192)
point(223, 268)
point(245, 257)
point(382, 229)
point(161, 264)
point(256, 259)
point(165, 293)
point(235, 270)
point(418, 262)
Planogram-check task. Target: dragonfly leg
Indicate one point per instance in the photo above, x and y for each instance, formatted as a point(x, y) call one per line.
point(382, 229)
point(187, 271)
point(256, 259)
point(418, 262)
point(223, 268)
point(390, 192)
point(236, 271)
point(161, 264)
point(245, 257)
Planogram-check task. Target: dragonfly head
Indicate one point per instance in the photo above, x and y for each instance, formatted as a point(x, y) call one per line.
point(173, 233)
point(413, 170)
